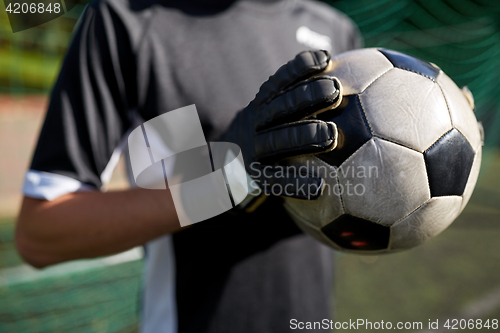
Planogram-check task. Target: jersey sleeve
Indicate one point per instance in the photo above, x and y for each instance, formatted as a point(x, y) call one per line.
point(89, 110)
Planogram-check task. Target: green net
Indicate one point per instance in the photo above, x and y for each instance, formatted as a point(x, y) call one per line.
point(30, 59)
point(461, 36)
point(93, 300)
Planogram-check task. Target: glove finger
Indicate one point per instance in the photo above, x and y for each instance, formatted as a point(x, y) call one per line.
point(300, 101)
point(293, 139)
point(281, 181)
point(304, 65)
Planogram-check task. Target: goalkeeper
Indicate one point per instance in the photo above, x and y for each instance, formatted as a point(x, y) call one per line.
point(131, 61)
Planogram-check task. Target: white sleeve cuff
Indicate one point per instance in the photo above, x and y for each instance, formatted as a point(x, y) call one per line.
point(50, 186)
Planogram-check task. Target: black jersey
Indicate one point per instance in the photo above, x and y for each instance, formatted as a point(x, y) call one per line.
point(137, 59)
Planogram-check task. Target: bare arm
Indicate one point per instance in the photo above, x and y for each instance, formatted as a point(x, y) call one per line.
point(92, 224)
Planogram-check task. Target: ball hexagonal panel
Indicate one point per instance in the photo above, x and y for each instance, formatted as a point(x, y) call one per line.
point(355, 233)
point(471, 182)
point(357, 69)
point(314, 232)
point(328, 206)
point(427, 221)
point(415, 115)
point(448, 163)
point(353, 130)
point(462, 116)
point(412, 64)
point(383, 182)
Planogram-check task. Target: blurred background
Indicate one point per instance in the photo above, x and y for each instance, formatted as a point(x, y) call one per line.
point(455, 275)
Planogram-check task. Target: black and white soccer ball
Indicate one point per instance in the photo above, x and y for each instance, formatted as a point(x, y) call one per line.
point(407, 160)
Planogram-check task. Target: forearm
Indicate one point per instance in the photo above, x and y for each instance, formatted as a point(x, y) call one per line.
point(92, 224)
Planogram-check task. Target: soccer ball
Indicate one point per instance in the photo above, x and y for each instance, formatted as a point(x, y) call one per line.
point(407, 159)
